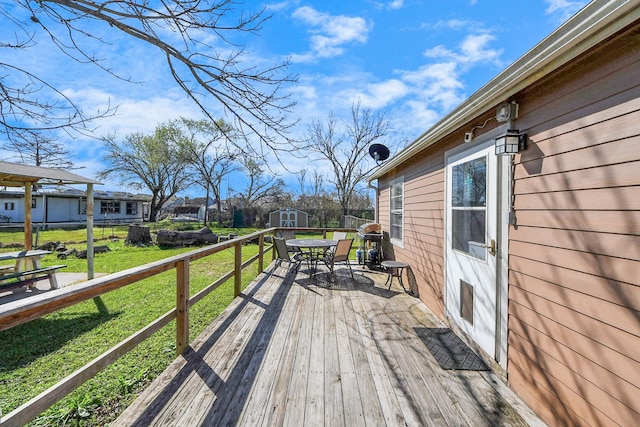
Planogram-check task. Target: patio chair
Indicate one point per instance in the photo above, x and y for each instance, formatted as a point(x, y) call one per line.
point(284, 255)
point(340, 255)
point(337, 235)
point(288, 235)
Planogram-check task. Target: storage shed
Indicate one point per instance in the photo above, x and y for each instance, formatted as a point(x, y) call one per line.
point(288, 217)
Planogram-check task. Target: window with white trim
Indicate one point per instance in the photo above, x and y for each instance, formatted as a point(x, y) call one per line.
point(396, 210)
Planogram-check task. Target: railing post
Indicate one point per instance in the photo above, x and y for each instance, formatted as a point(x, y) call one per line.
point(237, 269)
point(260, 253)
point(182, 306)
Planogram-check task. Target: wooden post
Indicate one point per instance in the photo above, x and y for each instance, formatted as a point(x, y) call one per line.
point(182, 306)
point(261, 253)
point(237, 269)
point(28, 228)
point(90, 268)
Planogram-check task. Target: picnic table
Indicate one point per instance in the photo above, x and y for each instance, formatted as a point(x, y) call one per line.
point(26, 269)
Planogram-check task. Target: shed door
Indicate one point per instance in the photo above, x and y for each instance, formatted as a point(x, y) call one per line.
point(471, 223)
point(288, 218)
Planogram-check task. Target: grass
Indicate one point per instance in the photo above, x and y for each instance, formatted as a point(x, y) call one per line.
point(36, 355)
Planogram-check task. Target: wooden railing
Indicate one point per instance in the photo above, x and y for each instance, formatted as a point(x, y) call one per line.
point(27, 309)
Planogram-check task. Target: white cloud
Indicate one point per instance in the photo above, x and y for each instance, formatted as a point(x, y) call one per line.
point(378, 95)
point(134, 115)
point(564, 9)
point(330, 33)
point(473, 49)
point(421, 116)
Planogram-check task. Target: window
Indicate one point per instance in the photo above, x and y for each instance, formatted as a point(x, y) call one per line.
point(9, 206)
point(396, 210)
point(109, 207)
point(469, 207)
point(33, 203)
point(132, 208)
point(82, 206)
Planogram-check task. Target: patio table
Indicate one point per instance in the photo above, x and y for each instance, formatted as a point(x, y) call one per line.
point(314, 247)
point(27, 263)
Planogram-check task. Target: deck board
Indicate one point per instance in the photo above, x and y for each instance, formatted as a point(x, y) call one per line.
point(292, 351)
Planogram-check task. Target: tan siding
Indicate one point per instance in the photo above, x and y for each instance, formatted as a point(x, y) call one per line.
point(587, 357)
point(615, 222)
point(558, 404)
point(423, 226)
point(616, 245)
point(619, 293)
point(574, 257)
point(606, 176)
point(578, 381)
point(601, 199)
point(617, 269)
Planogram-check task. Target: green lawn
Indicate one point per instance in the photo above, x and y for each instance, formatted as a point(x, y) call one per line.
point(36, 355)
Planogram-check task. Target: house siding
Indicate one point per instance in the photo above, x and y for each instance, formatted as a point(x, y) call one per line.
point(574, 256)
point(423, 247)
point(574, 253)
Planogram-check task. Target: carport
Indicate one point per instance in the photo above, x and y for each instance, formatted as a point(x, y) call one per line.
point(17, 175)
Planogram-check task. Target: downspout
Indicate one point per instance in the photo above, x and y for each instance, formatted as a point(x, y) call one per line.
point(28, 230)
point(375, 204)
point(90, 273)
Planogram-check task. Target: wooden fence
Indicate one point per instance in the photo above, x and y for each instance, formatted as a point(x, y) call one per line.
point(28, 309)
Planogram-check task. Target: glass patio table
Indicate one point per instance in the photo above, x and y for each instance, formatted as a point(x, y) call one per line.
point(312, 249)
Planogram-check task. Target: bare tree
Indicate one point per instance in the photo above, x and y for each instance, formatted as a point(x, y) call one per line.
point(260, 186)
point(344, 144)
point(151, 162)
point(35, 148)
point(251, 95)
point(210, 154)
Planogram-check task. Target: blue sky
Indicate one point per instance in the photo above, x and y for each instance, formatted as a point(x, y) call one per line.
point(413, 59)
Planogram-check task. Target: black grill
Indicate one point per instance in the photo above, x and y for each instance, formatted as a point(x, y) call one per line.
point(370, 252)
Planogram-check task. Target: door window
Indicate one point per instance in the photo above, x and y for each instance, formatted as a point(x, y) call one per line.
point(469, 207)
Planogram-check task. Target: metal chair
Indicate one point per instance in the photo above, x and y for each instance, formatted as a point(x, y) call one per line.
point(337, 235)
point(288, 235)
point(283, 254)
point(340, 255)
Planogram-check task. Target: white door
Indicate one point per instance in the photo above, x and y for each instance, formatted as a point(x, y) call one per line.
point(471, 235)
point(288, 218)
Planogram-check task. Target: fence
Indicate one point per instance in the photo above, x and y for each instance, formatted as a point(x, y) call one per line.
point(25, 310)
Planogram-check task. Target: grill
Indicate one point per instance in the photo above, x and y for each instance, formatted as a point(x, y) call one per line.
point(370, 252)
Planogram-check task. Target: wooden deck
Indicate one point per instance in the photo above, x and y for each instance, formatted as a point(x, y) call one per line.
point(296, 351)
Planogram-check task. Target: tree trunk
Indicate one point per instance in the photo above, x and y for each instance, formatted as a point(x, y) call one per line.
point(172, 238)
point(96, 250)
point(138, 234)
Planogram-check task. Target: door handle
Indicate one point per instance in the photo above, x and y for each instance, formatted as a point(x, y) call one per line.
point(492, 247)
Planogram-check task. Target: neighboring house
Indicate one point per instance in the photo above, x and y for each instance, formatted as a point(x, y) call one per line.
point(535, 259)
point(71, 206)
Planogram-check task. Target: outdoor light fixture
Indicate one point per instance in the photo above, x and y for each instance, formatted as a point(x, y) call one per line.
point(511, 142)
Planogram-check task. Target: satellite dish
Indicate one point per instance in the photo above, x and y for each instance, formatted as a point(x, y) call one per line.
point(378, 152)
